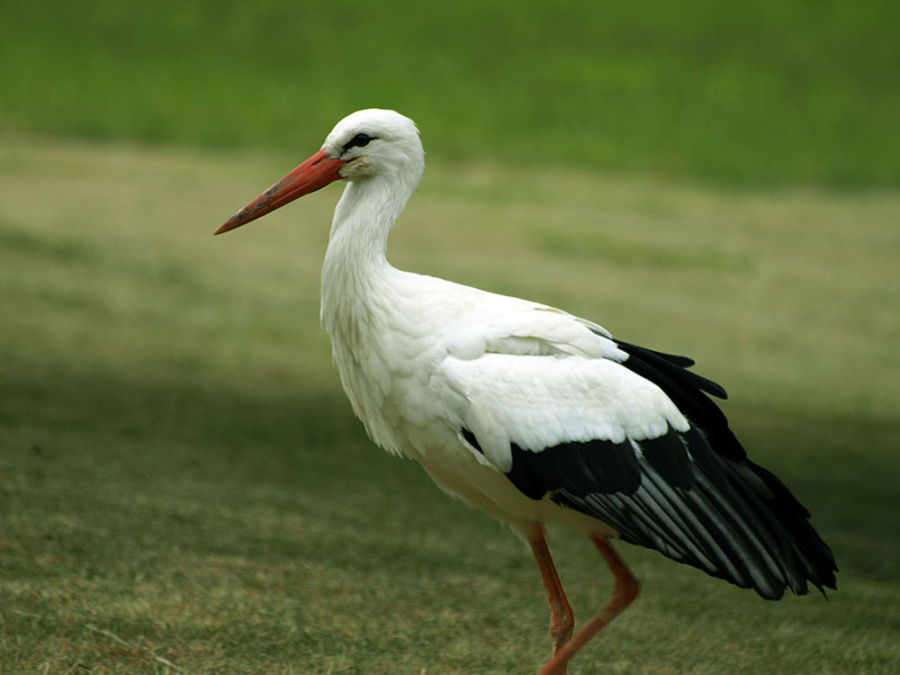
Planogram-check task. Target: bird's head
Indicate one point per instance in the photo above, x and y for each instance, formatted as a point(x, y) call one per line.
point(364, 145)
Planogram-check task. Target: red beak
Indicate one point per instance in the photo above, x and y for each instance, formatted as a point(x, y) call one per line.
point(315, 173)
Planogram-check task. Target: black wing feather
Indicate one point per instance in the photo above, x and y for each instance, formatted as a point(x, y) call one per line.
point(693, 495)
point(686, 390)
point(607, 466)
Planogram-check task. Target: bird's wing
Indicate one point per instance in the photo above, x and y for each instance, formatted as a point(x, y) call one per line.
point(628, 436)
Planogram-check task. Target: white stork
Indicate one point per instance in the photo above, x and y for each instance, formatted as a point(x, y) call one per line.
point(531, 414)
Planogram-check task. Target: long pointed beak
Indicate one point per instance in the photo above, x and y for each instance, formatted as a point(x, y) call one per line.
point(314, 174)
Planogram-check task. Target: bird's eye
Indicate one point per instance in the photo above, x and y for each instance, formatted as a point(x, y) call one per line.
point(358, 141)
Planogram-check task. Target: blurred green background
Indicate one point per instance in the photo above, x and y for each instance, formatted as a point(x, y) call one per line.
point(767, 91)
point(183, 487)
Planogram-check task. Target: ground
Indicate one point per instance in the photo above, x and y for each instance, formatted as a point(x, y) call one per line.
point(183, 486)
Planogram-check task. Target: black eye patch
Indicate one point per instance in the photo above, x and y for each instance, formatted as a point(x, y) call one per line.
point(358, 141)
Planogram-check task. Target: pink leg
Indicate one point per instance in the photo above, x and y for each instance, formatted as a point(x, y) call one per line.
point(624, 593)
point(562, 620)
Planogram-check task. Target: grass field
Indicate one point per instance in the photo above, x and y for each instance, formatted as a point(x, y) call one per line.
point(762, 92)
point(183, 487)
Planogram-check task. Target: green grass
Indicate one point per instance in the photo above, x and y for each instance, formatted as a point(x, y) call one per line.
point(763, 93)
point(182, 483)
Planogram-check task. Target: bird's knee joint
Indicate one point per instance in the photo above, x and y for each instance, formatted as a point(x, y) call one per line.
point(629, 589)
point(561, 625)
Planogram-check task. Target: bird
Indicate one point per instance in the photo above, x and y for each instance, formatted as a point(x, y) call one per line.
point(531, 414)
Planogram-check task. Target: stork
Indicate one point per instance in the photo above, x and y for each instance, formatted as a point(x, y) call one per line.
point(531, 414)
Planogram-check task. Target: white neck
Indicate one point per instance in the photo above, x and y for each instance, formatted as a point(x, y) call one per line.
point(356, 259)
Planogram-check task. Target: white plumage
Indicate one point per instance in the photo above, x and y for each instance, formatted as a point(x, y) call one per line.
point(532, 414)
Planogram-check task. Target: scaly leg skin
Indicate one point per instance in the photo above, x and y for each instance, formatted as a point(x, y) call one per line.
point(562, 621)
point(625, 591)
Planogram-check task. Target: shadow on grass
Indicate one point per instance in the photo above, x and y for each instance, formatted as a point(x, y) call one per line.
point(186, 512)
point(105, 444)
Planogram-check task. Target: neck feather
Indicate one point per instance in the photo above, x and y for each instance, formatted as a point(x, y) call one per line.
point(356, 259)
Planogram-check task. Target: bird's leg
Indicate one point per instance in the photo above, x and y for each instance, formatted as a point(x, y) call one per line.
point(562, 620)
point(625, 591)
